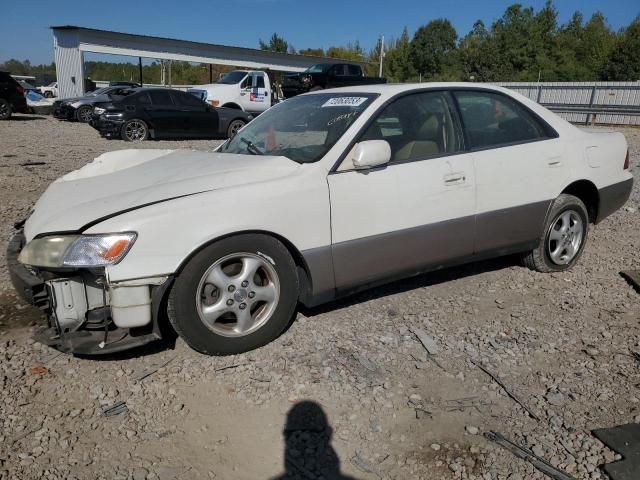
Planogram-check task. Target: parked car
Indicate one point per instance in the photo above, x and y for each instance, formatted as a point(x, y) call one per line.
point(11, 96)
point(81, 108)
point(120, 83)
point(50, 91)
point(326, 75)
point(36, 103)
point(320, 196)
point(249, 91)
point(164, 113)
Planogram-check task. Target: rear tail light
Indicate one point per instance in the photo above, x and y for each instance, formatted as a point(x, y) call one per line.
point(19, 89)
point(626, 162)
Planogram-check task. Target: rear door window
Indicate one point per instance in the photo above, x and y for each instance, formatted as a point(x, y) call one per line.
point(492, 119)
point(354, 70)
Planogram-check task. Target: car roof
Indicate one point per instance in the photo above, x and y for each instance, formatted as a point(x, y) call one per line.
point(395, 88)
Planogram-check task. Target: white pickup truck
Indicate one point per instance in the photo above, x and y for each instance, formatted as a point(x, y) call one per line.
point(50, 91)
point(245, 90)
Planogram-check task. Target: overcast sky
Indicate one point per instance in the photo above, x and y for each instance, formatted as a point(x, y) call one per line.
point(25, 34)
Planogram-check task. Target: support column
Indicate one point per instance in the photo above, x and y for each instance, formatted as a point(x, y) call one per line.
point(69, 63)
point(140, 69)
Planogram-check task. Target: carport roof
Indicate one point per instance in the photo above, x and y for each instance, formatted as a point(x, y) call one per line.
point(267, 55)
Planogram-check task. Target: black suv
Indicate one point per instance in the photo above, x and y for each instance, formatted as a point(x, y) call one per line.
point(164, 113)
point(11, 96)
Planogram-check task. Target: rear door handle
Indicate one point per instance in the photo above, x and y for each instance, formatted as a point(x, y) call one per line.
point(554, 162)
point(454, 178)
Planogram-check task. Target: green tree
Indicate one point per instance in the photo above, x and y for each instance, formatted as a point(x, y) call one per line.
point(318, 52)
point(276, 44)
point(430, 46)
point(624, 62)
point(397, 63)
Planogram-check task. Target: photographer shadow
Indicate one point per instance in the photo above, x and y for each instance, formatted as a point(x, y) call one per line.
point(308, 452)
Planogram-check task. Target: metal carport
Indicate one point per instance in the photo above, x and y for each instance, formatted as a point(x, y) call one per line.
point(70, 43)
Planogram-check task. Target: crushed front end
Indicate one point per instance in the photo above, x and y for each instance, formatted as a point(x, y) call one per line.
point(86, 314)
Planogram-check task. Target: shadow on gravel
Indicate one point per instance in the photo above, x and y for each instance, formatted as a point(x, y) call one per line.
point(25, 118)
point(419, 281)
point(308, 452)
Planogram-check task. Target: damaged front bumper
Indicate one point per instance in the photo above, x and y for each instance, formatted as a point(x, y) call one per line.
point(86, 314)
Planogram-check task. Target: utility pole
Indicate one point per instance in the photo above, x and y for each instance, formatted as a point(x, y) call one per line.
point(381, 55)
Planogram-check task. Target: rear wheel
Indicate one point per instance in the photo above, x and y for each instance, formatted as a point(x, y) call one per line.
point(84, 114)
point(564, 236)
point(234, 127)
point(134, 130)
point(48, 94)
point(5, 109)
point(235, 295)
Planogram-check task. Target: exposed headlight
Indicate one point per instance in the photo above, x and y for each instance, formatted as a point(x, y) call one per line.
point(99, 110)
point(77, 250)
point(75, 104)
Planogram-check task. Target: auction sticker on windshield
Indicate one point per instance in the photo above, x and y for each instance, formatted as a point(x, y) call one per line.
point(344, 102)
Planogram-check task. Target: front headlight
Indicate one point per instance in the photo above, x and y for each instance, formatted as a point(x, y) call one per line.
point(75, 104)
point(99, 110)
point(77, 250)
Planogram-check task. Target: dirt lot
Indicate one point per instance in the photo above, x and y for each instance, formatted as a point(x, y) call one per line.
point(347, 390)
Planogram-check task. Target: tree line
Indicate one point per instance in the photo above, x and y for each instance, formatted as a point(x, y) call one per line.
point(521, 45)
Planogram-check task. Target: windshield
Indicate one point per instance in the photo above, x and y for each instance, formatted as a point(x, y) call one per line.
point(319, 68)
point(99, 91)
point(232, 78)
point(302, 128)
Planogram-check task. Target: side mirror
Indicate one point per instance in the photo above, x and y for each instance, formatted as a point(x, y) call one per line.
point(371, 153)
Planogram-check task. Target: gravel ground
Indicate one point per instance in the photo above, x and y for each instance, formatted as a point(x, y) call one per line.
point(347, 391)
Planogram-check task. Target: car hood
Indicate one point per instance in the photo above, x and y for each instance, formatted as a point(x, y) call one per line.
point(128, 179)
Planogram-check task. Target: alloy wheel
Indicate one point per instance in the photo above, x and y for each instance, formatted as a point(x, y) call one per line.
point(238, 294)
point(85, 115)
point(135, 131)
point(565, 237)
point(235, 127)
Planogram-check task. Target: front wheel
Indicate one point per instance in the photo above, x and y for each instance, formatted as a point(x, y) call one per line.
point(564, 236)
point(48, 94)
point(134, 131)
point(235, 295)
point(84, 114)
point(5, 109)
point(234, 127)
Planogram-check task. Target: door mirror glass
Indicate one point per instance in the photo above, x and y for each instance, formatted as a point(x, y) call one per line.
point(371, 153)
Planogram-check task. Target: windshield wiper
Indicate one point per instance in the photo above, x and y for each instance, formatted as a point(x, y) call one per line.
point(251, 148)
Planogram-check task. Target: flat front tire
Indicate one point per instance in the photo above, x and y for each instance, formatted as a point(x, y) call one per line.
point(563, 238)
point(235, 295)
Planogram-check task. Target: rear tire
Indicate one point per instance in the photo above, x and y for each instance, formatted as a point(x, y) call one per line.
point(134, 130)
point(205, 305)
point(5, 109)
point(48, 94)
point(563, 238)
point(234, 127)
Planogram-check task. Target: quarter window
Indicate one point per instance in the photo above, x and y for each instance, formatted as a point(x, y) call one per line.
point(492, 119)
point(417, 126)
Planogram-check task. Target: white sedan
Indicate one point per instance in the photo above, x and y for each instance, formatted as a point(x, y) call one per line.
point(322, 195)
